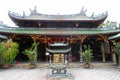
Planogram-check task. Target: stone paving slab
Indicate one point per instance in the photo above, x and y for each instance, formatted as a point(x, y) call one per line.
point(101, 73)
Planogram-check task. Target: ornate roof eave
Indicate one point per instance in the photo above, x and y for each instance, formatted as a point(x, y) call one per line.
point(114, 36)
point(53, 31)
point(58, 50)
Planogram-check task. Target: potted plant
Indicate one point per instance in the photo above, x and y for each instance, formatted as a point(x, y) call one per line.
point(117, 51)
point(32, 55)
point(8, 52)
point(87, 55)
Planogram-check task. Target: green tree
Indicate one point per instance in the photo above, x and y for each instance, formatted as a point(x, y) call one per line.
point(87, 54)
point(32, 53)
point(8, 51)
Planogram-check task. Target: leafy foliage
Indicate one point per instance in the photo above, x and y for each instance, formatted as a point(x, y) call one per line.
point(32, 52)
point(8, 51)
point(109, 23)
point(87, 54)
point(117, 50)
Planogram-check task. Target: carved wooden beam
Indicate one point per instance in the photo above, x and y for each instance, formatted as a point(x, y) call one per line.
point(104, 37)
point(12, 36)
point(34, 37)
point(82, 37)
point(45, 39)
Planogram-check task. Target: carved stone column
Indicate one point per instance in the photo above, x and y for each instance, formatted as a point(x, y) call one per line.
point(113, 55)
point(103, 52)
point(81, 57)
point(104, 38)
point(81, 38)
point(114, 58)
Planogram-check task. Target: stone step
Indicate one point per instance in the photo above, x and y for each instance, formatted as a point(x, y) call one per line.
point(78, 65)
point(70, 65)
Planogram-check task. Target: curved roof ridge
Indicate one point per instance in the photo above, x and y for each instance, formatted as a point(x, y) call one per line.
point(38, 16)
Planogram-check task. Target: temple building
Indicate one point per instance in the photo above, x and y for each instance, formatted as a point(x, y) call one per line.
point(61, 37)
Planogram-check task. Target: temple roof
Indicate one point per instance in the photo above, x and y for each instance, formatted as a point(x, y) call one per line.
point(36, 19)
point(38, 16)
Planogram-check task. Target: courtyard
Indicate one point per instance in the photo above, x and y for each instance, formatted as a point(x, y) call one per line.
point(78, 73)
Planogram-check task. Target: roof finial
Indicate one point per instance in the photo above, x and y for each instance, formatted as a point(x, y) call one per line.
point(92, 16)
point(106, 12)
point(33, 11)
point(82, 11)
point(23, 14)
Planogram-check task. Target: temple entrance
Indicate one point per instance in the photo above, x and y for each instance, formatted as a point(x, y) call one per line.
point(58, 58)
point(72, 53)
point(95, 47)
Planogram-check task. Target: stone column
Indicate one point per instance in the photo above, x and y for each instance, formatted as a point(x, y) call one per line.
point(103, 52)
point(113, 55)
point(81, 38)
point(81, 57)
point(114, 58)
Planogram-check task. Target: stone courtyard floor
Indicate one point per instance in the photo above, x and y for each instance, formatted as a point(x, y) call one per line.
point(96, 73)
